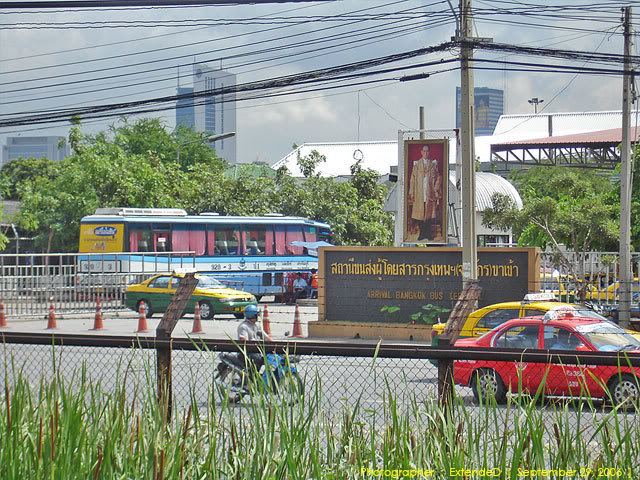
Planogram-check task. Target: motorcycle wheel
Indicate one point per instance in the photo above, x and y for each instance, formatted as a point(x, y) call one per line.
point(290, 388)
point(226, 379)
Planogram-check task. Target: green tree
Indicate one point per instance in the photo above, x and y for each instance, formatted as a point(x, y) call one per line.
point(309, 163)
point(16, 173)
point(561, 206)
point(136, 165)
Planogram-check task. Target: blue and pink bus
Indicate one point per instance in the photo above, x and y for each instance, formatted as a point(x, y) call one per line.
point(257, 254)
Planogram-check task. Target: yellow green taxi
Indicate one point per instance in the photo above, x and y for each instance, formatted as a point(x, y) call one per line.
point(213, 297)
point(484, 319)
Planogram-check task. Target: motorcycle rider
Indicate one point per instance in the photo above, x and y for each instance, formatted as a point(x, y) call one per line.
point(249, 330)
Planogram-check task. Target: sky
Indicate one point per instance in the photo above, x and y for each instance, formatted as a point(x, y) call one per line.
point(258, 42)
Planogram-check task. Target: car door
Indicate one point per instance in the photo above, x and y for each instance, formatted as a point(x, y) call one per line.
point(565, 379)
point(518, 375)
point(492, 318)
point(159, 293)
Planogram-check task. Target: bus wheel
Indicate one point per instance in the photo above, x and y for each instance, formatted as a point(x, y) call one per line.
point(206, 310)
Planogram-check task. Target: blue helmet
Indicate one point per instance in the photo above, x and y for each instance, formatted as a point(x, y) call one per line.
point(251, 311)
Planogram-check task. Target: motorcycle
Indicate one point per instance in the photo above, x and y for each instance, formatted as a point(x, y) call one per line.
point(236, 376)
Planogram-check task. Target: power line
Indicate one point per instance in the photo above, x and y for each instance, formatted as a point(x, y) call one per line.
point(51, 4)
point(283, 81)
point(126, 55)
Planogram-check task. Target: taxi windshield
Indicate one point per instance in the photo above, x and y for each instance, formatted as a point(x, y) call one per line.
point(585, 313)
point(209, 282)
point(608, 337)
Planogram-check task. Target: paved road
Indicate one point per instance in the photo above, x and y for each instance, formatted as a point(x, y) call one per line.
point(341, 380)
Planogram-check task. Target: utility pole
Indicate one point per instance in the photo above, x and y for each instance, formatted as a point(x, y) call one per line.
point(625, 180)
point(421, 121)
point(467, 133)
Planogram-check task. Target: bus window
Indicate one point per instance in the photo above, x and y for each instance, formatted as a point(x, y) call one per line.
point(197, 239)
point(211, 240)
point(227, 241)
point(188, 238)
point(140, 237)
point(293, 234)
point(310, 234)
point(280, 240)
point(258, 240)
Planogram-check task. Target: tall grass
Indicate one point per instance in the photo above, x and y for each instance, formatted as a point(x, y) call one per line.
point(71, 428)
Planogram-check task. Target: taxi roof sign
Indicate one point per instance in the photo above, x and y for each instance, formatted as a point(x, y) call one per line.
point(540, 297)
point(184, 270)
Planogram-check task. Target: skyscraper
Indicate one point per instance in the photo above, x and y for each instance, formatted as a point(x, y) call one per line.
point(215, 112)
point(489, 105)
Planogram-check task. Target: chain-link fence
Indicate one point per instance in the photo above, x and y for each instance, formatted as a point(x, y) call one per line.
point(338, 374)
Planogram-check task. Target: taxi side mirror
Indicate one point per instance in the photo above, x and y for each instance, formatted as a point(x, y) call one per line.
point(582, 348)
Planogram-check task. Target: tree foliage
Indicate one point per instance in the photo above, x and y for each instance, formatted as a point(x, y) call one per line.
point(561, 206)
point(137, 165)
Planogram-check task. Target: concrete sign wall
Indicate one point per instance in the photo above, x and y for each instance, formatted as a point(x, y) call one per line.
point(398, 285)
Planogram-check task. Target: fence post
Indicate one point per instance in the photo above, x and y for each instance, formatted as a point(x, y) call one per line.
point(164, 377)
point(445, 376)
point(163, 336)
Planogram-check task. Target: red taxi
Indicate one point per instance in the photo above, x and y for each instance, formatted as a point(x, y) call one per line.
point(555, 331)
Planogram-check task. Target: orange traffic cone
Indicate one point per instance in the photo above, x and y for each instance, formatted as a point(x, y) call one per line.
point(51, 319)
point(297, 326)
point(142, 319)
point(97, 323)
point(266, 324)
point(3, 319)
point(197, 324)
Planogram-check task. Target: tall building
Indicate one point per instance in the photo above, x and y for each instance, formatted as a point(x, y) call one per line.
point(53, 148)
point(185, 115)
point(489, 105)
point(213, 114)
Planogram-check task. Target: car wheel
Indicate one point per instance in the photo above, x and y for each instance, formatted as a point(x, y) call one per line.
point(238, 315)
point(148, 310)
point(624, 389)
point(486, 383)
point(206, 310)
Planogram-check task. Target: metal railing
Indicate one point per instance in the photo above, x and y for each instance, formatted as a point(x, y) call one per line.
point(73, 282)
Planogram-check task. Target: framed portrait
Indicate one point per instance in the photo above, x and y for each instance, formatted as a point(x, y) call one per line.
point(426, 184)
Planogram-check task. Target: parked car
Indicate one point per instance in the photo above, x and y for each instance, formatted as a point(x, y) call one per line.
point(484, 319)
point(554, 331)
point(213, 297)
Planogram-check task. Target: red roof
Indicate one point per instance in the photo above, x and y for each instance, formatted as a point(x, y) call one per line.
point(611, 136)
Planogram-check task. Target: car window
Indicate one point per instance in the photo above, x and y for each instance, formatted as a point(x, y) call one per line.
point(519, 336)
point(529, 312)
point(160, 282)
point(175, 282)
point(497, 317)
point(556, 338)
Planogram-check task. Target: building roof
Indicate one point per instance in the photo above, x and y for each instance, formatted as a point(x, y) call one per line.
point(488, 184)
point(547, 128)
point(612, 135)
point(376, 155)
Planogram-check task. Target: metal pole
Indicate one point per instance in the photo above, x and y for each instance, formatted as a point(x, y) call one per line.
point(469, 245)
point(625, 181)
point(421, 122)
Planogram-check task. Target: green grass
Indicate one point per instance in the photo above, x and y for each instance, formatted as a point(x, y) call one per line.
point(70, 428)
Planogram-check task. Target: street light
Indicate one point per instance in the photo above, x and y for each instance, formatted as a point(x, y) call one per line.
point(535, 101)
point(209, 139)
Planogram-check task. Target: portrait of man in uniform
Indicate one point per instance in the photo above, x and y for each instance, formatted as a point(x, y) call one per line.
point(426, 182)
